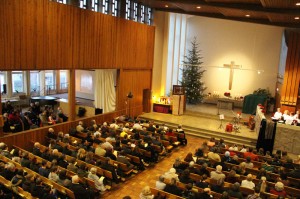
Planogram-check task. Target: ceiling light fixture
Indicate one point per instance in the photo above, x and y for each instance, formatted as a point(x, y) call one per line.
point(198, 7)
point(166, 6)
point(298, 4)
point(247, 15)
point(297, 18)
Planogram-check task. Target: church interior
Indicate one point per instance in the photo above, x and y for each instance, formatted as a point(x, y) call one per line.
point(95, 101)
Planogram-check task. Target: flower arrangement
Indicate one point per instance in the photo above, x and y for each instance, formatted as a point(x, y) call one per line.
point(227, 94)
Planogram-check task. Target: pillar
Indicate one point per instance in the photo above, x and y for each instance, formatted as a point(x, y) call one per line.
point(71, 98)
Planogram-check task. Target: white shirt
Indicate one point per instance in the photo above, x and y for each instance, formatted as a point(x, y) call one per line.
point(285, 116)
point(160, 185)
point(98, 181)
point(288, 120)
point(53, 176)
point(248, 184)
point(277, 115)
point(137, 126)
point(296, 117)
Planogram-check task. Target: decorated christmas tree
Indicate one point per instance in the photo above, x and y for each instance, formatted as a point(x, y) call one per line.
point(192, 74)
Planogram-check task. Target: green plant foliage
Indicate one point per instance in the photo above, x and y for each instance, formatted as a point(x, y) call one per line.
point(192, 74)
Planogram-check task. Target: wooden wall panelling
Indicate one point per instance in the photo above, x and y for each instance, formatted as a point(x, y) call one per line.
point(29, 17)
point(52, 41)
point(150, 47)
point(8, 42)
point(2, 33)
point(41, 35)
point(286, 79)
point(135, 81)
point(134, 44)
point(17, 36)
point(294, 71)
point(75, 36)
point(296, 80)
point(108, 42)
point(291, 82)
point(126, 54)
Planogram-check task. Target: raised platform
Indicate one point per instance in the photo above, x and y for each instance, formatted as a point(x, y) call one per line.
point(205, 126)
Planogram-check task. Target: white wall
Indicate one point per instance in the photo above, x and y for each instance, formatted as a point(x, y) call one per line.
point(157, 73)
point(84, 85)
point(254, 46)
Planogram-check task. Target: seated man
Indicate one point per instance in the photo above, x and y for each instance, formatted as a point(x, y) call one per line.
point(217, 175)
point(79, 190)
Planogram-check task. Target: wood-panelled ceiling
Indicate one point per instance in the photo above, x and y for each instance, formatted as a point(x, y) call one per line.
point(285, 13)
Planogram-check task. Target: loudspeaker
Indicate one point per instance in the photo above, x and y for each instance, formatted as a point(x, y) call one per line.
point(98, 111)
point(4, 89)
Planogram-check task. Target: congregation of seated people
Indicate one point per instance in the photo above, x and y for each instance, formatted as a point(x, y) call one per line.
point(218, 170)
point(82, 151)
point(36, 116)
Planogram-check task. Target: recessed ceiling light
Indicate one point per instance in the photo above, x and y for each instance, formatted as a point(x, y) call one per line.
point(166, 6)
point(247, 15)
point(298, 4)
point(198, 7)
point(297, 18)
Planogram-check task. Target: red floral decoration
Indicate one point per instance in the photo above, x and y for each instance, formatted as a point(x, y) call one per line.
point(227, 94)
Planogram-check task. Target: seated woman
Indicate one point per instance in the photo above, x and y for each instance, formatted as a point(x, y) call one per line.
point(278, 190)
point(52, 119)
point(185, 177)
point(99, 185)
point(189, 157)
point(263, 185)
point(286, 114)
point(146, 193)
point(248, 182)
point(234, 191)
point(232, 177)
point(171, 174)
point(172, 188)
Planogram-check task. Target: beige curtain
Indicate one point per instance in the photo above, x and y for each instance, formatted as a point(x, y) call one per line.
point(105, 94)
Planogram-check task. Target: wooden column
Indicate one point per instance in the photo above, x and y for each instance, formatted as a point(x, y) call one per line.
point(1, 116)
point(89, 5)
point(9, 88)
point(290, 88)
point(74, 3)
point(71, 98)
point(122, 10)
point(57, 81)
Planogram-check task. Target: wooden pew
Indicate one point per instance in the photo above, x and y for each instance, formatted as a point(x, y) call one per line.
point(167, 145)
point(155, 192)
point(58, 187)
point(100, 171)
point(20, 192)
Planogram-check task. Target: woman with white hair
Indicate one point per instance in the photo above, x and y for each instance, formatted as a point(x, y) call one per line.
point(98, 181)
point(171, 174)
point(248, 182)
point(146, 193)
point(278, 189)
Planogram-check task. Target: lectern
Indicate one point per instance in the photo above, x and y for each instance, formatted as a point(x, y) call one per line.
point(178, 100)
point(178, 104)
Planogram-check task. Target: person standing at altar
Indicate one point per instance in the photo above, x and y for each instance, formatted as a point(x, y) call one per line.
point(277, 114)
